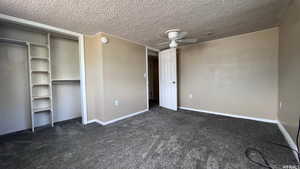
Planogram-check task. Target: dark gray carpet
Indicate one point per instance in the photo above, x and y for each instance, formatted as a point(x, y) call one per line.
point(156, 139)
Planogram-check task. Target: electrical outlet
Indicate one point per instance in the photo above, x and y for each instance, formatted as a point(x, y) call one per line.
point(190, 96)
point(116, 102)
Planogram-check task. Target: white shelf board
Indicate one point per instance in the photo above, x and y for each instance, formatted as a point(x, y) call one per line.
point(39, 58)
point(65, 80)
point(40, 97)
point(39, 44)
point(40, 71)
point(40, 84)
point(35, 110)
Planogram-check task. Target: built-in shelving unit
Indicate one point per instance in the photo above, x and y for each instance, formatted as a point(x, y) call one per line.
point(43, 66)
point(37, 106)
point(53, 76)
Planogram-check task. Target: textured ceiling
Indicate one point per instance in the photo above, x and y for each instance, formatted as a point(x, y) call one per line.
point(144, 21)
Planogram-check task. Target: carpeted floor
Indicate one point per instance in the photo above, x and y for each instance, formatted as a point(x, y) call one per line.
point(160, 139)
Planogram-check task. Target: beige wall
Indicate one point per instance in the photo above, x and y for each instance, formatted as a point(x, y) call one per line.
point(289, 69)
point(124, 68)
point(115, 71)
point(236, 75)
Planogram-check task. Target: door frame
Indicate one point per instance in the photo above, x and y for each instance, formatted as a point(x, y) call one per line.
point(80, 38)
point(146, 74)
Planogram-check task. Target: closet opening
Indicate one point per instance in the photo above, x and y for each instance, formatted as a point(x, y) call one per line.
point(153, 78)
point(40, 74)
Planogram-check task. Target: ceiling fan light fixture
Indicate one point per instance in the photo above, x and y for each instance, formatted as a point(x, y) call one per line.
point(173, 44)
point(176, 37)
point(173, 35)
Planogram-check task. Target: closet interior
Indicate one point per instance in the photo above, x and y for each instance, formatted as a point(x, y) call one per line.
point(40, 78)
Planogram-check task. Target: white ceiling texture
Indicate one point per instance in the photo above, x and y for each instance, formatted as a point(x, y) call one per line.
point(144, 21)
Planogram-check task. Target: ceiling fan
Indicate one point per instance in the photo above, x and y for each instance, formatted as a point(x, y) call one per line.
point(176, 37)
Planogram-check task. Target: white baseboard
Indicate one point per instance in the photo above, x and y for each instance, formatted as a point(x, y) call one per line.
point(288, 139)
point(95, 121)
point(230, 115)
point(117, 119)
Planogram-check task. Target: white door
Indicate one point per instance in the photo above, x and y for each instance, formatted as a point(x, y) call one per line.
point(168, 79)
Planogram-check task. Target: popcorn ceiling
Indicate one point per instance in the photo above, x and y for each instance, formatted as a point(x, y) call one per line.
point(144, 21)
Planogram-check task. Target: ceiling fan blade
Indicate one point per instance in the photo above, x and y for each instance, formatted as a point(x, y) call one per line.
point(187, 40)
point(163, 44)
point(182, 35)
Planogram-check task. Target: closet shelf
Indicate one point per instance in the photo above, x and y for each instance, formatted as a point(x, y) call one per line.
point(40, 84)
point(40, 97)
point(39, 44)
point(40, 71)
point(65, 80)
point(35, 110)
point(21, 42)
point(39, 58)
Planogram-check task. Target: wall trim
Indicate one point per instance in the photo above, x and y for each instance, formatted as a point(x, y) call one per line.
point(82, 79)
point(38, 25)
point(229, 115)
point(94, 121)
point(131, 41)
point(288, 139)
point(117, 119)
point(147, 77)
point(156, 50)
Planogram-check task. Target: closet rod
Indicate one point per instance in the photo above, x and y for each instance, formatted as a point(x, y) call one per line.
point(19, 42)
